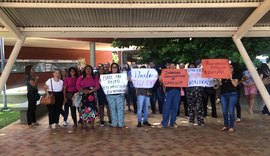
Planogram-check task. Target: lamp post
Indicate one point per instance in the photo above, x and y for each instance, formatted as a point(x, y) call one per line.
point(4, 108)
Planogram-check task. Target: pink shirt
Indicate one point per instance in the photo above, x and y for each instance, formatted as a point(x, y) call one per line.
point(70, 83)
point(87, 82)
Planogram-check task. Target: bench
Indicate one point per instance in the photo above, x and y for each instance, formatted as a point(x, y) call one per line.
point(22, 107)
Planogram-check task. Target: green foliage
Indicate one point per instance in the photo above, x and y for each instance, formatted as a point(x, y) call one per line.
point(7, 118)
point(188, 50)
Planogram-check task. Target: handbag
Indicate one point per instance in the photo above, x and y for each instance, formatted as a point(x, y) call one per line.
point(77, 99)
point(48, 99)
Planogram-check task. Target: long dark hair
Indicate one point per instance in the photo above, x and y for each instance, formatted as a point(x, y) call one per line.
point(84, 73)
point(264, 67)
point(118, 70)
point(27, 70)
point(72, 68)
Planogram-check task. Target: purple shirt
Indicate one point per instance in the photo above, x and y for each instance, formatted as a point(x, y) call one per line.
point(70, 83)
point(87, 82)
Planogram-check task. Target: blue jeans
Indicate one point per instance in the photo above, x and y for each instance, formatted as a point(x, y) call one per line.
point(117, 109)
point(170, 108)
point(143, 103)
point(228, 102)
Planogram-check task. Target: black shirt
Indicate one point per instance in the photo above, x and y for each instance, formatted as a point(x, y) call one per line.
point(227, 85)
point(29, 86)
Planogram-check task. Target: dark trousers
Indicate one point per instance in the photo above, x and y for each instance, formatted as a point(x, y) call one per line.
point(184, 99)
point(101, 113)
point(156, 95)
point(265, 109)
point(72, 109)
point(127, 100)
point(238, 106)
point(133, 97)
point(55, 110)
point(31, 111)
point(209, 92)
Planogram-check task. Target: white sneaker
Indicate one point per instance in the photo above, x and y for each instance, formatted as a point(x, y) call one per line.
point(238, 120)
point(64, 123)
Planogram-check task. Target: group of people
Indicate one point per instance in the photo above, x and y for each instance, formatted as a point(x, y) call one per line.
point(65, 83)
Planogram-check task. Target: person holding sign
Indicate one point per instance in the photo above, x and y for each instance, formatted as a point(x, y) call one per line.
point(88, 84)
point(195, 101)
point(229, 99)
point(171, 102)
point(143, 99)
point(116, 103)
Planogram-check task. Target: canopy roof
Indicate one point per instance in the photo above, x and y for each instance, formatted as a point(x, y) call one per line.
point(131, 18)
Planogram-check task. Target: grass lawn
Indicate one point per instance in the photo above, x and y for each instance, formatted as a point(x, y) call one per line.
point(7, 118)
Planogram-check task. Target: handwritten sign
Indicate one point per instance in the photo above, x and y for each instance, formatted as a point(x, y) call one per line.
point(114, 83)
point(174, 77)
point(144, 78)
point(195, 78)
point(216, 68)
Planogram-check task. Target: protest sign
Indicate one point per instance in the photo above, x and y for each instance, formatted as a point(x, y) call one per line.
point(216, 68)
point(195, 78)
point(174, 77)
point(144, 78)
point(114, 83)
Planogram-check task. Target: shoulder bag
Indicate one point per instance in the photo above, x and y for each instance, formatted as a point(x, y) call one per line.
point(48, 99)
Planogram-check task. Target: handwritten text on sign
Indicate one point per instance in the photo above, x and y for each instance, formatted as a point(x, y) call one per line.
point(174, 77)
point(216, 68)
point(144, 78)
point(195, 78)
point(114, 83)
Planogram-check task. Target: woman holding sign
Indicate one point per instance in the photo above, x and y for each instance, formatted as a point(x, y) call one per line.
point(195, 101)
point(171, 102)
point(88, 84)
point(229, 99)
point(116, 103)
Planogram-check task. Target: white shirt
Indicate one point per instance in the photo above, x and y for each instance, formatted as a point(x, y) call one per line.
point(57, 86)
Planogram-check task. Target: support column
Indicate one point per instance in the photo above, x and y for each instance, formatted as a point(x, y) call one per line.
point(4, 108)
point(10, 62)
point(92, 54)
point(253, 71)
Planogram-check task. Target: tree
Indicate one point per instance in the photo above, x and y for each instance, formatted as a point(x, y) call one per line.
point(190, 49)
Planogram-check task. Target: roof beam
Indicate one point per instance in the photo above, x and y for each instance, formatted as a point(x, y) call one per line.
point(129, 5)
point(155, 32)
point(253, 19)
point(4, 19)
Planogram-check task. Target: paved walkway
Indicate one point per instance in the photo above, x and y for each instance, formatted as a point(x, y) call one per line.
point(252, 137)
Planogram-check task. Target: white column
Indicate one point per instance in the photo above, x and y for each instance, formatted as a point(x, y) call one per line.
point(10, 62)
point(92, 54)
point(253, 71)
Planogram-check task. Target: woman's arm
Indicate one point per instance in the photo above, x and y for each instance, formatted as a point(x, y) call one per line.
point(32, 82)
point(46, 88)
point(97, 86)
point(78, 84)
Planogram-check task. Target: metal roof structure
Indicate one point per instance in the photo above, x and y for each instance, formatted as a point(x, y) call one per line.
point(131, 18)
